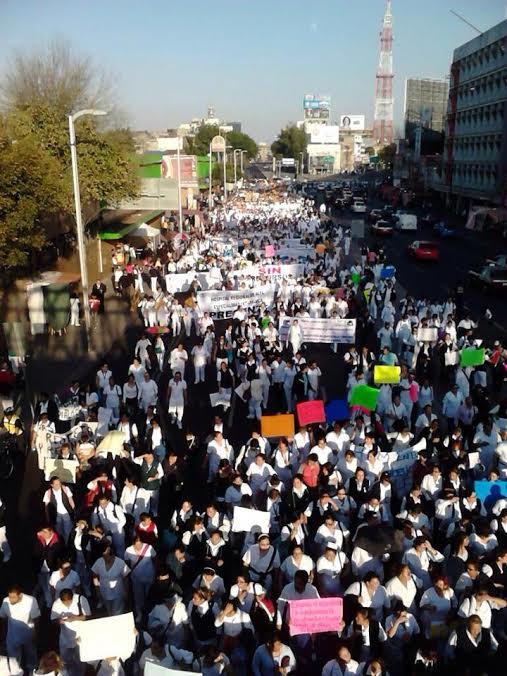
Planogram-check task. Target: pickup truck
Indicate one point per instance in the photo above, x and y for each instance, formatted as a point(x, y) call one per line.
point(490, 279)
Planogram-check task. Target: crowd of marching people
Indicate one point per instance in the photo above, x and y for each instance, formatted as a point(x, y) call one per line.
point(165, 452)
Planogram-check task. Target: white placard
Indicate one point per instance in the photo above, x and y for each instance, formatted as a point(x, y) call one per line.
point(219, 399)
point(223, 304)
point(65, 470)
point(427, 335)
point(107, 637)
point(320, 330)
point(241, 389)
point(152, 669)
point(104, 416)
point(246, 520)
point(273, 273)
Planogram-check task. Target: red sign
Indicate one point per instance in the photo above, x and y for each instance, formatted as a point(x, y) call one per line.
point(311, 412)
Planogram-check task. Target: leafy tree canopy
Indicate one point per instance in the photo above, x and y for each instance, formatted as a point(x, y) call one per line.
point(38, 93)
point(291, 142)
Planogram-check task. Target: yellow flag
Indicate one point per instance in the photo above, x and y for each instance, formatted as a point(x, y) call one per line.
point(386, 375)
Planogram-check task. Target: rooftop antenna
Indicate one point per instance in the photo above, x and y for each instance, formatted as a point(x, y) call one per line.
point(461, 18)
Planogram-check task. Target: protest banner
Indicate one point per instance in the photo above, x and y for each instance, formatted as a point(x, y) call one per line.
point(182, 281)
point(247, 520)
point(269, 250)
point(310, 412)
point(331, 330)
point(120, 633)
point(364, 396)
point(296, 250)
point(65, 470)
point(386, 375)
point(427, 335)
point(223, 304)
point(277, 425)
point(489, 492)
point(273, 273)
point(314, 616)
point(472, 357)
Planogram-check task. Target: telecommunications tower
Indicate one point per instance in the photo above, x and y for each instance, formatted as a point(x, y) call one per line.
point(384, 104)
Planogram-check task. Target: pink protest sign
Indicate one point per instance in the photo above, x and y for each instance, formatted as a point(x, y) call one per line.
point(314, 616)
point(311, 412)
point(269, 250)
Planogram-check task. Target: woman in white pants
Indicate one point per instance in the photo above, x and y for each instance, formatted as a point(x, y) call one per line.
point(177, 397)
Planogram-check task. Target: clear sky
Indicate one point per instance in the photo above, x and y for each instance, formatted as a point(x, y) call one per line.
point(253, 61)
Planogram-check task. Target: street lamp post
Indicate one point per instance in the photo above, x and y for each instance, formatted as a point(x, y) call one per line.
point(243, 152)
point(180, 207)
point(302, 162)
point(209, 175)
point(79, 219)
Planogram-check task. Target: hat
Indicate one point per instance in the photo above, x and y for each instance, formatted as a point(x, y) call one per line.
point(258, 589)
point(262, 536)
point(331, 544)
point(209, 570)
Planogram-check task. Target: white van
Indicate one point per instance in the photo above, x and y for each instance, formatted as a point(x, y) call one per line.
point(358, 206)
point(405, 222)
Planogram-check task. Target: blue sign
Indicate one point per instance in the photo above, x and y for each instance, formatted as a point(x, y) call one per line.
point(489, 492)
point(338, 409)
point(387, 272)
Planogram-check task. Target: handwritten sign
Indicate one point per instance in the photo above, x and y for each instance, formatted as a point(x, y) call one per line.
point(250, 520)
point(489, 492)
point(427, 335)
point(121, 638)
point(277, 425)
point(311, 412)
point(65, 470)
point(269, 250)
point(314, 616)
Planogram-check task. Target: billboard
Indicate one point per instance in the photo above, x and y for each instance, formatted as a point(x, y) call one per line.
point(323, 133)
point(316, 107)
point(353, 122)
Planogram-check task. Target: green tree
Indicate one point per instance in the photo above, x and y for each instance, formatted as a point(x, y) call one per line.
point(291, 142)
point(35, 167)
point(387, 154)
point(199, 144)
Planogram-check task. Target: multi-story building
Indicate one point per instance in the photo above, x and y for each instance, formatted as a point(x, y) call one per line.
point(475, 157)
point(426, 103)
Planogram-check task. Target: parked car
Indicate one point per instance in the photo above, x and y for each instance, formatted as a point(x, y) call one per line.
point(443, 230)
point(489, 279)
point(383, 228)
point(358, 206)
point(423, 251)
point(500, 261)
point(405, 222)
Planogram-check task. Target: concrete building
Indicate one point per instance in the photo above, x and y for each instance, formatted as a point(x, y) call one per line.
point(263, 152)
point(426, 102)
point(353, 145)
point(475, 157)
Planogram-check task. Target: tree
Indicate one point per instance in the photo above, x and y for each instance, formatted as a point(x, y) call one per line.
point(35, 167)
point(387, 154)
point(199, 144)
point(291, 142)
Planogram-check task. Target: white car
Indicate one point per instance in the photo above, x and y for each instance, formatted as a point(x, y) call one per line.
point(359, 207)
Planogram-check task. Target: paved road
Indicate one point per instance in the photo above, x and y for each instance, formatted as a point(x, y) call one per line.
point(438, 280)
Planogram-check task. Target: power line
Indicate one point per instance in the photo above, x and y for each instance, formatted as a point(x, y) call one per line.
point(465, 21)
